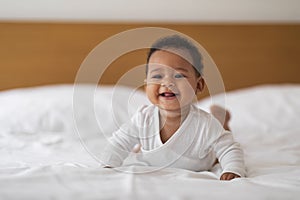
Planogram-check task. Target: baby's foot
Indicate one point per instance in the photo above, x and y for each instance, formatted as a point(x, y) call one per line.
point(221, 114)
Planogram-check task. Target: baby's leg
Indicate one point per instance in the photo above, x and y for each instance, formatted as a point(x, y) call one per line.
point(222, 115)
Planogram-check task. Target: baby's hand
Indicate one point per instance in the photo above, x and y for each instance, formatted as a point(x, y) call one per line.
point(227, 176)
point(136, 148)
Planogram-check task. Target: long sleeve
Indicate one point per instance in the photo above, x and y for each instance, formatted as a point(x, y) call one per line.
point(230, 154)
point(120, 144)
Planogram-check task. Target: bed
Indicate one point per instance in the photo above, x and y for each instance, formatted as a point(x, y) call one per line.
point(50, 141)
point(44, 156)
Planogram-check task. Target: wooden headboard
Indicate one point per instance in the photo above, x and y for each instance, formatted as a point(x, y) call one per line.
point(49, 53)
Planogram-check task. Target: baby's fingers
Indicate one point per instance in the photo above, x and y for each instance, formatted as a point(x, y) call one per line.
point(229, 176)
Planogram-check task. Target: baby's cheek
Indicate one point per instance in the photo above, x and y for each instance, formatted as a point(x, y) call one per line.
point(189, 92)
point(152, 92)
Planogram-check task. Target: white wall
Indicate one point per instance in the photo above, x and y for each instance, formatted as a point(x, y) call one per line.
point(152, 10)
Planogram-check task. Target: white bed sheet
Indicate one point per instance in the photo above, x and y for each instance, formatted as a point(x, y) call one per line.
point(41, 156)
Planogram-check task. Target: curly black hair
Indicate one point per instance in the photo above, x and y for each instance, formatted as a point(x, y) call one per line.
point(178, 42)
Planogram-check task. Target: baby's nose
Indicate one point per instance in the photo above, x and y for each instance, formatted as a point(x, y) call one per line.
point(167, 82)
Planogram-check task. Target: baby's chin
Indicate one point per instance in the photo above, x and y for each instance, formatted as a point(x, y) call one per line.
point(178, 108)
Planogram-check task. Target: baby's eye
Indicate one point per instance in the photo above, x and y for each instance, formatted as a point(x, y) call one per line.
point(156, 76)
point(179, 76)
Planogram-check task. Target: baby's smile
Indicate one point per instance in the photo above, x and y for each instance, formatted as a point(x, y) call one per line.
point(168, 94)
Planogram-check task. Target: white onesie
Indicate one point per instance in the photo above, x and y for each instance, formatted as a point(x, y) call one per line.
point(194, 146)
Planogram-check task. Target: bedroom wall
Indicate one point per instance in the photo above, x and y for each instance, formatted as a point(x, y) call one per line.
point(46, 53)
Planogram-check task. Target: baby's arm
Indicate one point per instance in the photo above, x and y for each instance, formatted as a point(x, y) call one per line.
point(230, 156)
point(119, 146)
point(223, 116)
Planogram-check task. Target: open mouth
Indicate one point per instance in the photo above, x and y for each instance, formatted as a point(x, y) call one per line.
point(168, 94)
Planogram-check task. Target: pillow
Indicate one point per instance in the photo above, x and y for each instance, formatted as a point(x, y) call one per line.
point(32, 110)
point(50, 108)
point(267, 107)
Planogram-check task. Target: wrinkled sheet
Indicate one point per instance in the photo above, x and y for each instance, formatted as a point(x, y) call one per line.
point(42, 156)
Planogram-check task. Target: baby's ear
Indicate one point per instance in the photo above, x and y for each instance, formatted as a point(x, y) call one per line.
point(200, 84)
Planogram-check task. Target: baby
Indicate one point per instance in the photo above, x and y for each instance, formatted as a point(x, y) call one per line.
point(172, 131)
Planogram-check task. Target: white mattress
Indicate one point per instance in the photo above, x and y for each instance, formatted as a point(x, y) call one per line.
point(44, 154)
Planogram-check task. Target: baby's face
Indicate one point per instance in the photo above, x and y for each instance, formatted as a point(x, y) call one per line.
point(171, 81)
